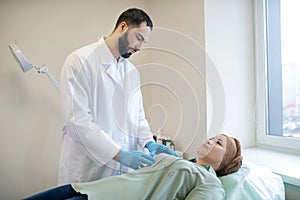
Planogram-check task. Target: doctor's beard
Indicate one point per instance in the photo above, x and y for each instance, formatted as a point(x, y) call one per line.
point(124, 45)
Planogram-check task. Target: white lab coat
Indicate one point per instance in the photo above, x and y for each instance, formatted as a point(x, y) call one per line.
point(103, 112)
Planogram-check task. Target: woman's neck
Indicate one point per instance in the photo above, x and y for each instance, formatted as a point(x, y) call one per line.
point(200, 162)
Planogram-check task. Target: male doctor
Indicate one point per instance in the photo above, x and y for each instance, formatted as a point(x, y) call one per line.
point(104, 119)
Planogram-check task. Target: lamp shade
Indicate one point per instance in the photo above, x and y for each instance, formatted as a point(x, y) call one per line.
point(20, 58)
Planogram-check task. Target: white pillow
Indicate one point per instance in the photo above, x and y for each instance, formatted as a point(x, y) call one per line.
point(253, 182)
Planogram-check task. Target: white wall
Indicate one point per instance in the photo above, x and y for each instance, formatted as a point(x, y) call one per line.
point(229, 41)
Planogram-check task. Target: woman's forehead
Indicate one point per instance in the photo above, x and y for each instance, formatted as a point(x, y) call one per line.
point(222, 137)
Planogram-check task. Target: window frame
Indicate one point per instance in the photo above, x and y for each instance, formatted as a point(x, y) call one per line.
point(263, 137)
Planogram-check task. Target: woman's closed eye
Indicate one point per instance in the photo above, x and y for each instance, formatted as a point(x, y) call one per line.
point(220, 142)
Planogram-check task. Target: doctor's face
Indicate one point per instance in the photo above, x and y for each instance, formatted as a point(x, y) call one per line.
point(132, 40)
point(213, 150)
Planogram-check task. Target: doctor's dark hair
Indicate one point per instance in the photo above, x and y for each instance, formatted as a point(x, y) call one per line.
point(134, 17)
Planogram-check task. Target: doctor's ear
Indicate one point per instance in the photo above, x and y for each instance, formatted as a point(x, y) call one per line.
point(123, 26)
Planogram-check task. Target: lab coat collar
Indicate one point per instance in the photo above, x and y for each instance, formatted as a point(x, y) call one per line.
point(109, 61)
point(108, 58)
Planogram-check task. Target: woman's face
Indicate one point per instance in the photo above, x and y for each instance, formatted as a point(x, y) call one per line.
point(213, 150)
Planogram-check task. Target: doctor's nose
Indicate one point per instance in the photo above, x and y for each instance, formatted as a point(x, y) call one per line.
point(138, 47)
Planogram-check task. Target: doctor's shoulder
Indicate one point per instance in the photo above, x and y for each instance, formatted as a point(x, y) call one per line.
point(80, 56)
point(85, 51)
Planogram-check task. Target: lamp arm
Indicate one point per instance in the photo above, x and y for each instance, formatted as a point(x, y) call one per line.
point(46, 71)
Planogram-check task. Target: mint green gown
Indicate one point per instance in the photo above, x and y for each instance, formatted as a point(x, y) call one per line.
point(168, 178)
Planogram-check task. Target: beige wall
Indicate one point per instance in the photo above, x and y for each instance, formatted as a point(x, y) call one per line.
point(177, 66)
point(31, 122)
point(172, 68)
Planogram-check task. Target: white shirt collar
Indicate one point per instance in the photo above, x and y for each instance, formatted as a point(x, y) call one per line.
point(108, 57)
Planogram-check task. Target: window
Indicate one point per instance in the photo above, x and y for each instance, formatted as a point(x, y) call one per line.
point(278, 73)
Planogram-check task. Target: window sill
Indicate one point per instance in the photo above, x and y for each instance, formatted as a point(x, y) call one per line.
point(286, 165)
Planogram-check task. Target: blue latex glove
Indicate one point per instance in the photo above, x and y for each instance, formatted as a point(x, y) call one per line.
point(155, 149)
point(135, 159)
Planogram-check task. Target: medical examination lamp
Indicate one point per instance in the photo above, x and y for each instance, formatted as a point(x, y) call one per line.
point(26, 65)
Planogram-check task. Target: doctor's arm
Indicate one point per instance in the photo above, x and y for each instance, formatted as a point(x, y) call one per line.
point(79, 122)
point(134, 159)
point(155, 149)
point(76, 95)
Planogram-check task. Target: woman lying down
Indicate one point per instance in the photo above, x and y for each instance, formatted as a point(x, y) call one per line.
point(169, 178)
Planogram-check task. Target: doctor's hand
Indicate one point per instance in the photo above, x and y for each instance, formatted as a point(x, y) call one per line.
point(135, 159)
point(155, 149)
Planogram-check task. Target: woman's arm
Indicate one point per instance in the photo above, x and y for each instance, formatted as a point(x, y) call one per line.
point(207, 192)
